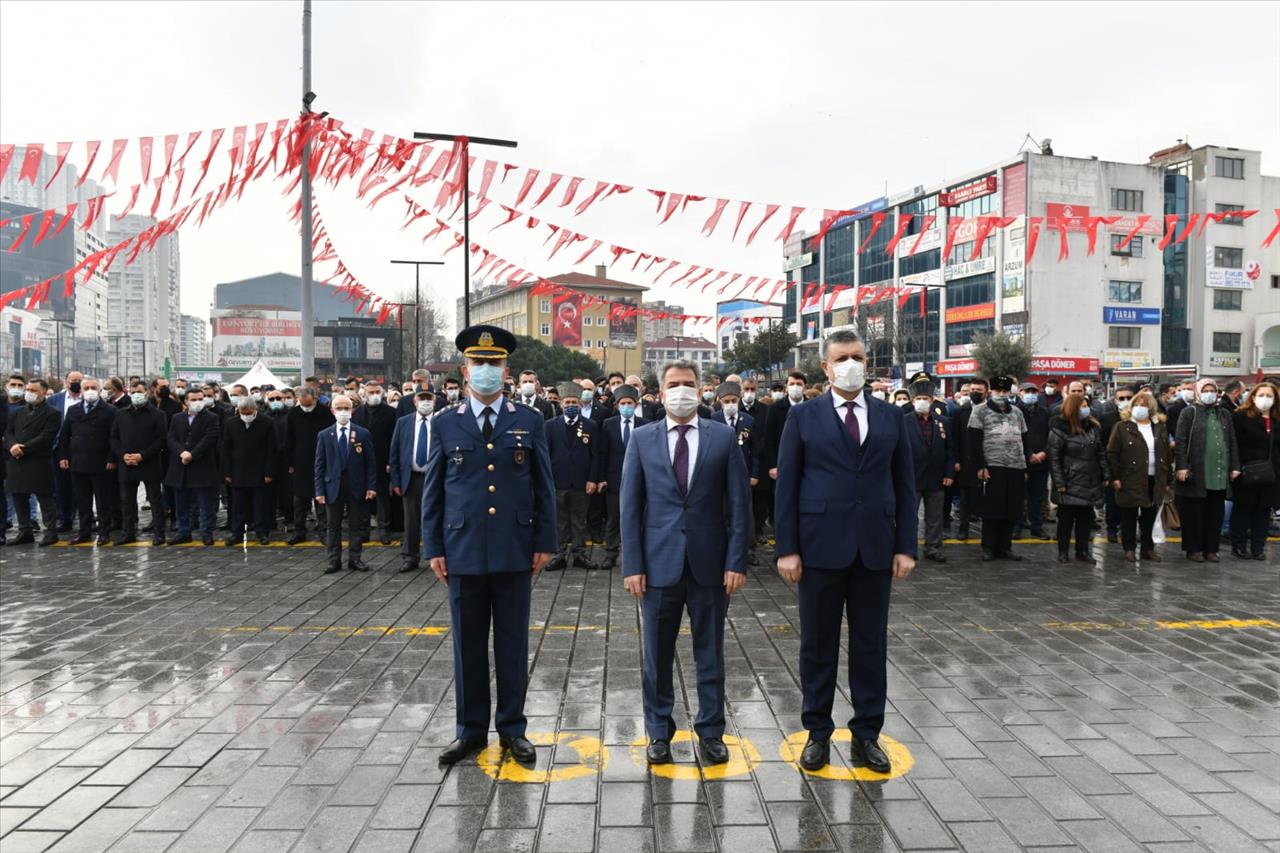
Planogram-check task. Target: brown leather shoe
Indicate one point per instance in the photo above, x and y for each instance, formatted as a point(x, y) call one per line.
point(1212, 558)
point(1152, 556)
point(1195, 557)
point(1130, 557)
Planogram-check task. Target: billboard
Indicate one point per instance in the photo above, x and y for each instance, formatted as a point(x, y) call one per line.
point(243, 336)
point(622, 322)
point(567, 329)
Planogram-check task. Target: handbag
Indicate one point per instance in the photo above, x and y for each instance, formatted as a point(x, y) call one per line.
point(1169, 517)
point(1259, 472)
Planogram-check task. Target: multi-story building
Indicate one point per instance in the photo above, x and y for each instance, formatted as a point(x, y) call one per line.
point(691, 348)
point(735, 322)
point(1121, 306)
point(657, 327)
point(193, 341)
point(582, 319)
point(283, 291)
point(143, 300)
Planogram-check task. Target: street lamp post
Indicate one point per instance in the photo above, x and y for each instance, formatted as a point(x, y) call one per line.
point(417, 303)
point(466, 203)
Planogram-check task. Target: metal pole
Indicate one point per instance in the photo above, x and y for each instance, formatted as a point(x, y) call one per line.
point(466, 234)
point(417, 313)
point(305, 300)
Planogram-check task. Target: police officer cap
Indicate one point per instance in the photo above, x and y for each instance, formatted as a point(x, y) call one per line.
point(485, 342)
point(1001, 383)
point(728, 388)
point(626, 392)
point(921, 376)
point(922, 387)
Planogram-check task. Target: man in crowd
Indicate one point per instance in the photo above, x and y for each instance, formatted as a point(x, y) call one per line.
point(63, 493)
point(277, 414)
point(573, 443)
point(421, 382)
point(345, 478)
point(29, 438)
point(139, 438)
point(686, 510)
point(616, 435)
point(778, 412)
point(303, 426)
point(1037, 415)
point(966, 479)
point(452, 392)
point(380, 420)
point(527, 393)
point(410, 446)
point(193, 465)
point(249, 459)
point(933, 449)
point(84, 449)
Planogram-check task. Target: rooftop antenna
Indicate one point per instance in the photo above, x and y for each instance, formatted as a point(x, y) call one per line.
point(1045, 145)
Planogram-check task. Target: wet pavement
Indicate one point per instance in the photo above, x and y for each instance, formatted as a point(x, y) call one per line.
point(209, 699)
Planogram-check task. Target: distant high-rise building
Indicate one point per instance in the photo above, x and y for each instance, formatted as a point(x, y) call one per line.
point(143, 300)
point(656, 329)
point(193, 341)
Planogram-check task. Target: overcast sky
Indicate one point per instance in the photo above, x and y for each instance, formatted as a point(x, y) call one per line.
point(816, 104)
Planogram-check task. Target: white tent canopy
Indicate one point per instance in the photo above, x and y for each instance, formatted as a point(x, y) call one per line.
point(258, 376)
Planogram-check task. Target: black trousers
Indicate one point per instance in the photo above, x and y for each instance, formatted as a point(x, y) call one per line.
point(283, 489)
point(357, 523)
point(1137, 522)
point(1112, 510)
point(827, 595)
point(475, 601)
point(94, 491)
point(571, 521)
point(48, 511)
point(1202, 521)
point(251, 505)
point(997, 534)
point(382, 505)
point(597, 516)
point(613, 532)
point(129, 506)
point(762, 503)
point(1249, 524)
point(411, 500)
point(64, 496)
point(1080, 520)
point(302, 508)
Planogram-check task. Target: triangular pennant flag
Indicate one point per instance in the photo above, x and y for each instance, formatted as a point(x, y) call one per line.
point(113, 165)
point(31, 162)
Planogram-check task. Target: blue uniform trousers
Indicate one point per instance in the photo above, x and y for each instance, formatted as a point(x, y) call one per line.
point(502, 598)
point(826, 595)
point(663, 608)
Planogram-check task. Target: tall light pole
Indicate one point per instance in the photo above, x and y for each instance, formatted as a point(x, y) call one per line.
point(417, 302)
point(305, 299)
point(467, 141)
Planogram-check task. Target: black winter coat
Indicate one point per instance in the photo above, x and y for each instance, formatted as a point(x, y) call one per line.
point(1255, 445)
point(1077, 463)
point(1127, 459)
point(36, 429)
point(380, 421)
point(249, 456)
point(200, 438)
point(142, 430)
point(86, 438)
point(300, 434)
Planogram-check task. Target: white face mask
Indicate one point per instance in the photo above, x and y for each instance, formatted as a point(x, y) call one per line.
point(195, 406)
point(30, 397)
point(850, 375)
point(374, 400)
point(1123, 405)
point(248, 419)
point(1140, 413)
point(921, 406)
point(527, 389)
point(1264, 404)
point(748, 397)
point(307, 408)
point(257, 396)
point(138, 399)
point(681, 401)
point(289, 402)
point(91, 395)
point(452, 394)
point(235, 401)
point(708, 396)
point(777, 395)
point(1188, 395)
point(342, 416)
point(425, 407)
point(15, 392)
point(795, 392)
point(730, 410)
point(181, 392)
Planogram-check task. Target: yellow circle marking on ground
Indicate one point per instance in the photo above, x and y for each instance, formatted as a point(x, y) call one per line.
point(900, 759)
point(743, 758)
point(592, 758)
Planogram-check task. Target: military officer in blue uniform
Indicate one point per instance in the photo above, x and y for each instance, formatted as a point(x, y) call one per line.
point(488, 527)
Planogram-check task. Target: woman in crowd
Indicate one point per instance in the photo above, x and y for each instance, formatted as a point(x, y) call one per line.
point(1207, 459)
point(902, 398)
point(1078, 466)
point(997, 452)
point(1257, 491)
point(1141, 464)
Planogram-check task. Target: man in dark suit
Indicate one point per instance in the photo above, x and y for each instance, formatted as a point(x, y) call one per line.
point(966, 478)
point(193, 465)
point(846, 526)
point(1036, 414)
point(778, 412)
point(686, 510)
point(616, 435)
point(410, 446)
point(345, 476)
point(421, 382)
point(729, 400)
point(488, 527)
point(527, 393)
point(303, 426)
point(380, 420)
point(933, 452)
point(63, 493)
point(573, 442)
point(249, 458)
point(84, 449)
point(29, 437)
point(139, 437)
point(277, 414)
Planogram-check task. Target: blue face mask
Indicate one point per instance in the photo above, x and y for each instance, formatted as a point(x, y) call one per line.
point(626, 410)
point(1208, 398)
point(485, 379)
point(571, 411)
point(587, 397)
point(1030, 399)
point(1085, 412)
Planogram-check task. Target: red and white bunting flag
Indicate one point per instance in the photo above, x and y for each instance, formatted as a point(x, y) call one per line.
point(668, 268)
point(529, 177)
point(64, 148)
point(570, 191)
point(67, 217)
point(555, 179)
point(601, 186)
point(904, 220)
point(144, 157)
point(31, 162)
point(785, 233)
point(595, 244)
point(6, 157)
point(709, 227)
point(743, 206)
point(91, 154)
point(133, 199)
point(214, 138)
point(769, 211)
point(113, 165)
point(45, 222)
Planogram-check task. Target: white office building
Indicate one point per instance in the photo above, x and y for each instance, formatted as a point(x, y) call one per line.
point(143, 302)
point(193, 341)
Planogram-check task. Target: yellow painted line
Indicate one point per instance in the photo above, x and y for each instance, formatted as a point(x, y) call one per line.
point(743, 758)
point(1163, 625)
point(1216, 624)
point(593, 757)
point(900, 758)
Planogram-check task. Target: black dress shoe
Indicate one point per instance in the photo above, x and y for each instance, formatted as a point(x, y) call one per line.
point(207, 539)
point(868, 752)
point(48, 539)
point(296, 538)
point(333, 568)
point(157, 539)
point(127, 539)
point(103, 540)
point(462, 748)
point(384, 538)
point(1009, 555)
point(713, 750)
point(555, 564)
point(658, 752)
point(264, 540)
point(935, 557)
point(180, 539)
point(584, 563)
point(233, 541)
point(24, 538)
point(987, 556)
point(608, 565)
point(816, 755)
point(521, 750)
point(358, 566)
point(1113, 538)
point(1064, 558)
point(408, 567)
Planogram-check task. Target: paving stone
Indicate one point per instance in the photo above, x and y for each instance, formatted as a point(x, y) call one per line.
point(800, 826)
point(630, 804)
point(48, 786)
point(265, 841)
point(333, 830)
point(568, 828)
point(99, 831)
point(216, 830)
point(450, 828)
point(404, 807)
point(1026, 822)
point(30, 842)
point(71, 808)
point(683, 827)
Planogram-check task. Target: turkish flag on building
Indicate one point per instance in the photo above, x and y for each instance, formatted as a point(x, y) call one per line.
point(568, 326)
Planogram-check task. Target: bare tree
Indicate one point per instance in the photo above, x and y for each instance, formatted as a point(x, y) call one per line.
point(422, 326)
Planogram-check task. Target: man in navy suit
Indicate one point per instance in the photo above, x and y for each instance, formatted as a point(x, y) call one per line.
point(933, 451)
point(617, 435)
point(574, 445)
point(63, 493)
point(410, 444)
point(346, 475)
point(488, 527)
point(685, 509)
point(845, 522)
point(84, 449)
point(193, 465)
point(729, 396)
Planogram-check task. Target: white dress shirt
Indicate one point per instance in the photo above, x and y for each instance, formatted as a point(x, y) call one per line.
point(859, 404)
point(690, 437)
point(477, 409)
point(417, 434)
point(69, 401)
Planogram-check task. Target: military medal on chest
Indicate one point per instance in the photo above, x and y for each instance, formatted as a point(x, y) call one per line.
point(742, 436)
point(519, 454)
point(457, 455)
point(586, 439)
